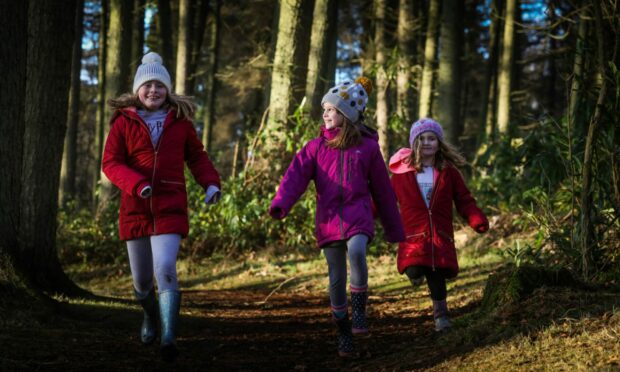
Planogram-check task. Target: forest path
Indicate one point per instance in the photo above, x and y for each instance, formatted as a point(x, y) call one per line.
point(228, 330)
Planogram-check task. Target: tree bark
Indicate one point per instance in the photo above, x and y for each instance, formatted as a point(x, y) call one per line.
point(199, 25)
point(101, 106)
point(51, 31)
point(322, 52)
point(164, 16)
point(117, 70)
point(430, 52)
point(289, 68)
point(587, 229)
point(489, 87)
point(504, 80)
point(449, 76)
point(382, 78)
point(406, 50)
point(183, 46)
point(211, 80)
point(69, 161)
point(13, 58)
point(137, 37)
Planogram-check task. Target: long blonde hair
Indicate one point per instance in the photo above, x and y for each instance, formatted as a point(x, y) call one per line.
point(446, 154)
point(348, 136)
point(184, 105)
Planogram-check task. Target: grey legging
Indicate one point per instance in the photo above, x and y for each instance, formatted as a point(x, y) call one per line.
point(336, 255)
point(154, 254)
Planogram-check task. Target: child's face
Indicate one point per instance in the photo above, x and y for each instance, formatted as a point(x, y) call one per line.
point(152, 94)
point(331, 116)
point(429, 145)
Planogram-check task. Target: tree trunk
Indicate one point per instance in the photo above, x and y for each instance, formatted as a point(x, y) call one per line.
point(199, 26)
point(51, 30)
point(101, 105)
point(322, 52)
point(68, 173)
point(406, 51)
point(117, 70)
point(137, 37)
point(382, 80)
point(183, 47)
point(289, 68)
point(211, 79)
point(504, 79)
point(164, 16)
point(587, 229)
point(489, 87)
point(13, 57)
point(430, 52)
point(449, 77)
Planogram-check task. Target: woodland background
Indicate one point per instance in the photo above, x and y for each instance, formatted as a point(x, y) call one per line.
point(527, 89)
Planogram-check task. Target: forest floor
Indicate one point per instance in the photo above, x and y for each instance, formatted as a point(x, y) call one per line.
point(271, 312)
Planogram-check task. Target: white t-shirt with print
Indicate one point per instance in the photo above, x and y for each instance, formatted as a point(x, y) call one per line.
point(425, 181)
point(155, 122)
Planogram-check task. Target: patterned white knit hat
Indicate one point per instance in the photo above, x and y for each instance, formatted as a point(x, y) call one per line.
point(350, 97)
point(152, 68)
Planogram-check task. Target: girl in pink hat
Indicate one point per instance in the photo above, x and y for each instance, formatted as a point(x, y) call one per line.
point(427, 182)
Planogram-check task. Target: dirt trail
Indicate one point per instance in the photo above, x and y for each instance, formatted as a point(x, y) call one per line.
point(227, 330)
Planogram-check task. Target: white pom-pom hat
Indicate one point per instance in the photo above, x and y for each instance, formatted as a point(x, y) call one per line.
point(152, 68)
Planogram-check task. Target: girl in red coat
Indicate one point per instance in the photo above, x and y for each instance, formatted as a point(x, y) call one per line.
point(426, 181)
point(151, 139)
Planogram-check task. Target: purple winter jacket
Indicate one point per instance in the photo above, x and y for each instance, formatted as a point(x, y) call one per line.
point(347, 181)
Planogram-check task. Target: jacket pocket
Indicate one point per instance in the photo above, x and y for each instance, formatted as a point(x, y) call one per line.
point(417, 237)
point(445, 235)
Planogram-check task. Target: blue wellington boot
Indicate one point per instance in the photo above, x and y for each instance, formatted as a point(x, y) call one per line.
point(169, 306)
point(345, 337)
point(148, 331)
point(358, 304)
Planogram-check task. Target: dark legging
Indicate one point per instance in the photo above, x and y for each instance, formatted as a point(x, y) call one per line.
point(436, 279)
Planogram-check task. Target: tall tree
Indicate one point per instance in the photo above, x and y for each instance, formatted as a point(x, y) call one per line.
point(13, 57)
point(489, 85)
point(211, 79)
point(382, 80)
point(430, 53)
point(164, 16)
point(449, 76)
point(36, 144)
point(137, 37)
point(321, 66)
point(69, 161)
point(406, 50)
point(504, 79)
point(199, 28)
point(183, 46)
point(289, 67)
point(117, 72)
point(101, 107)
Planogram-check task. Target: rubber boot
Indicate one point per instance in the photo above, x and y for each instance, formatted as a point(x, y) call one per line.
point(169, 306)
point(358, 320)
point(345, 337)
point(148, 331)
point(440, 313)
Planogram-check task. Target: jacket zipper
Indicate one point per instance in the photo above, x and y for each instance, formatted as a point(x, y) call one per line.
point(156, 151)
point(341, 192)
point(430, 216)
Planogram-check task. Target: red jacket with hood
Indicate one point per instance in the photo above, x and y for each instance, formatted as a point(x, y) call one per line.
point(429, 230)
point(131, 161)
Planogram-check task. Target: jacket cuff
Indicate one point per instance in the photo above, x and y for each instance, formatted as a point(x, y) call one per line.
point(140, 187)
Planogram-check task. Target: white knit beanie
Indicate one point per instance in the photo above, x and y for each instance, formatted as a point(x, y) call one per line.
point(152, 68)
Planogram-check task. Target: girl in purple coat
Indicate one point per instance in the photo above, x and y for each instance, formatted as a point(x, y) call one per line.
point(348, 171)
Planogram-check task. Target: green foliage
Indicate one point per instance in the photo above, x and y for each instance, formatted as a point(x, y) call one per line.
point(84, 239)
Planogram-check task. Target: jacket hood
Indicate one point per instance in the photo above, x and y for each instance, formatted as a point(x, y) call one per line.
point(365, 130)
point(397, 164)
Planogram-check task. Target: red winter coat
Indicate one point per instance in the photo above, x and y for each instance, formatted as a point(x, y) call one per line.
point(429, 230)
point(131, 162)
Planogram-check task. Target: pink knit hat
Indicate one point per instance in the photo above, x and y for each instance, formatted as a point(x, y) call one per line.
point(424, 125)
